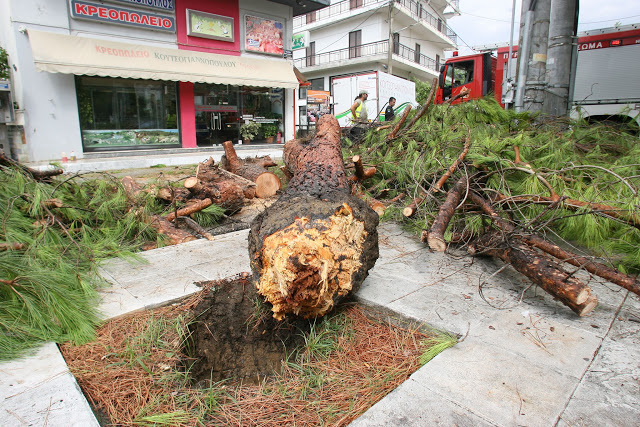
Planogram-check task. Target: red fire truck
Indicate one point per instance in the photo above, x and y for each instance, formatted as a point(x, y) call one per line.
point(606, 83)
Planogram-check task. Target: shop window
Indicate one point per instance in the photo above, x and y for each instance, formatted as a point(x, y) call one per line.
point(222, 110)
point(118, 114)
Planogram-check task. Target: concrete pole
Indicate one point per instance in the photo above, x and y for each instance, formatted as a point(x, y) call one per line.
point(535, 86)
point(533, 57)
point(562, 32)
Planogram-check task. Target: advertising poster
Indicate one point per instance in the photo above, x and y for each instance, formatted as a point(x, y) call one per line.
point(263, 35)
point(318, 104)
point(210, 26)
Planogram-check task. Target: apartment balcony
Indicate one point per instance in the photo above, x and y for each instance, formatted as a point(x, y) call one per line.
point(349, 8)
point(403, 57)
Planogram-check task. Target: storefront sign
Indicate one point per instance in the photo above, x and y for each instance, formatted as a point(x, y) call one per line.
point(300, 40)
point(263, 35)
point(155, 4)
point(208, 25)
point(118, 15)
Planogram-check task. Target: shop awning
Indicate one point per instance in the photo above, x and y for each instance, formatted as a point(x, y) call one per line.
point(59, 53)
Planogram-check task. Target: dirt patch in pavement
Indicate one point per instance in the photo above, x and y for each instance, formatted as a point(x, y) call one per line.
point(234, 335)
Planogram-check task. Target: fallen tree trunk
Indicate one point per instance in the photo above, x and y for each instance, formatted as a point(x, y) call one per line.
point(317, 242)
point(224, 193)
point(540, 270)
point(267, 183)
point(599, 269)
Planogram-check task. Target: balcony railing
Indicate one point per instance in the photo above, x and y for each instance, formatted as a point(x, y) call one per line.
point(419, 13)
point(334, 10)
point(363, 51)
point(416, 9)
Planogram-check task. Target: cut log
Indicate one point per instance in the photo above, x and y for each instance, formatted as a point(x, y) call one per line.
point(542, 271)
point(193, 184)
point(267, 183)
point(360, 173)
point(435, 237)
point(195, 207)
point(161, 224)
point(290, 153)
point(377, 206)
point(216, 174)
point(316, 243)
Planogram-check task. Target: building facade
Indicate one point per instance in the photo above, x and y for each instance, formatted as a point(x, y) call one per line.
point(119, 75)
point(405, 38)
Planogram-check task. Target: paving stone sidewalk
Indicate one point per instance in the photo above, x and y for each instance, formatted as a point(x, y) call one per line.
point(525, 359)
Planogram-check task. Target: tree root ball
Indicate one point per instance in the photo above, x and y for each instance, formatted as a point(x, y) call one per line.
point(308, 252)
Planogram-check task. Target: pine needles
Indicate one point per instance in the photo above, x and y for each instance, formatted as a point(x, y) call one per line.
point(593, 164)
point(48, 286)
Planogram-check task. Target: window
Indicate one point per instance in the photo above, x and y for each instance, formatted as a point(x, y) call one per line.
point(396, 43)
point(437, 62)
point(302, 93)
point(316, 84)
point(311, 17)
point(126, 113)
point(355, 40)
point(417, 53)
point(354, 4)
point(457, 74)
point(311, 54)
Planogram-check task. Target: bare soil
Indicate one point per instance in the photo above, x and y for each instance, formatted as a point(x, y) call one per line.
point(236, 337)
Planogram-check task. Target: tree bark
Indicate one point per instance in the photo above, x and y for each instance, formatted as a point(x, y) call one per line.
point(435, 237)
point(195, 207)
point(267, 183)
point(540, 270)
point(317, 242)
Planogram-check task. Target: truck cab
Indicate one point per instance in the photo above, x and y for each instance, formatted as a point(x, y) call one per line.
point(475, 72)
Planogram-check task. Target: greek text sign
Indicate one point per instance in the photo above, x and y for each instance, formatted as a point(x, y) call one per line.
point(118, 15)
point(156, 4)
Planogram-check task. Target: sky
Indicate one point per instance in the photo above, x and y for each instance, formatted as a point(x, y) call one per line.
point(489, 21)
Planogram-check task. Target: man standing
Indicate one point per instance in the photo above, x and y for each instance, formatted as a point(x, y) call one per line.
point(389, 114)
point(359, 109)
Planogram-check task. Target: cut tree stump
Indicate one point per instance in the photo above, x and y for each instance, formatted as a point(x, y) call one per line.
point(267, 183)
point(317, 242)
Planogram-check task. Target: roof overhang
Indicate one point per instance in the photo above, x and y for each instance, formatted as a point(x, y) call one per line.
point(59, 53)
point(300, 7)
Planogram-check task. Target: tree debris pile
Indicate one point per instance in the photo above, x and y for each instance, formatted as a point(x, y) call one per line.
point(54, 231)
point(498, 184)
point(318, 241)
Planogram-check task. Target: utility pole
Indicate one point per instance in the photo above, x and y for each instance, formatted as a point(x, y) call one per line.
point(560, 55)
point(532, 59)
point(390, 48)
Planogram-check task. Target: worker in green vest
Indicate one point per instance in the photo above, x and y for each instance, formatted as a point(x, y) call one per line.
point(359, 109)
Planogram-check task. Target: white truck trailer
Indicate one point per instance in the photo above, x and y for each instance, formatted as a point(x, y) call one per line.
point(380, 86)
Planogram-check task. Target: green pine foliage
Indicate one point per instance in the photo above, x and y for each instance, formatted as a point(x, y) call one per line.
point(48, 288)
point(580, 161)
